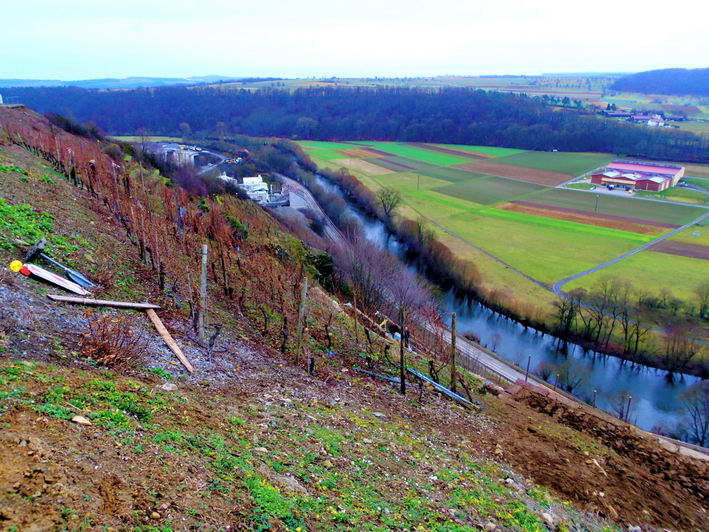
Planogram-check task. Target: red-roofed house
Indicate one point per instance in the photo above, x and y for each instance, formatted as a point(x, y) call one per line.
point(633, 175)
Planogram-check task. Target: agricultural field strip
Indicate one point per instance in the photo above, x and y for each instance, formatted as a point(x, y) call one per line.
point(529, 175)
point(685, 249)
point(635, 198)
point(646, 209)
point(596, 215)
point(479, 249)
point(459, 153)
point(556, 287)
point(566, 163)
point(417, 153)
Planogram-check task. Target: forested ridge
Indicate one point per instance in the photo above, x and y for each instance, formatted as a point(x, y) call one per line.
point(666, 81)
point(451, 115)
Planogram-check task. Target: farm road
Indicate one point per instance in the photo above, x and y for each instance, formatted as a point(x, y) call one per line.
point(556, 287)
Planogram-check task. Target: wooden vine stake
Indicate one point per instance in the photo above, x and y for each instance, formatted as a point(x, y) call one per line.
point(453, 337)
point(202, 295)
point(169, 339)
point(301, 315)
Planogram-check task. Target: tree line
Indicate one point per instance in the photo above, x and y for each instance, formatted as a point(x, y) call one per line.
point(446, 115)
point(666, 81)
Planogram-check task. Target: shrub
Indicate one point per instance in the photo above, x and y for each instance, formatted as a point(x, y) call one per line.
point(110, 341)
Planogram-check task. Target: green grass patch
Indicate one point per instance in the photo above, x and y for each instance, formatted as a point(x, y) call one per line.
point(696, 234)
point(545, 248)
point(323, 145)
point(568, 163)
point(417, 154)
point(490, 190)
point(644, 270)
point(698, 182)
point(683, 195)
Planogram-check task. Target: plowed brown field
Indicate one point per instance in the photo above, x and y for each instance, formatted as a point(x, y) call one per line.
point(695, 251)
point(531, 175)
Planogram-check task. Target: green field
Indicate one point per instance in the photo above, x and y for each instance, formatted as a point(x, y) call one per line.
point(683, 195)
point(417, 154)
point(571, 164)
point(490, 189)
point(697, 234)
point(698, 182)
point(649, 268)
point(629, 207)
point(546, 249)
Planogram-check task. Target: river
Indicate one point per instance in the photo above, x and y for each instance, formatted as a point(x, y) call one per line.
point(654, 392)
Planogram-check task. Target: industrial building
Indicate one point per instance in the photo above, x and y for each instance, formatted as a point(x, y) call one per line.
point(633, 175)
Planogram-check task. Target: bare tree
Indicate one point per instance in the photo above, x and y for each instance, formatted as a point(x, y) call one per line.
point(680, 348)
point(571, 375)
point(389, 198)
point(565, 315)
point(702, 293)
point(696, 404)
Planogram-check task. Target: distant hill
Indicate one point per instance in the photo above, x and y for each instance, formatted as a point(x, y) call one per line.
point(666, 81)
point(122, 83)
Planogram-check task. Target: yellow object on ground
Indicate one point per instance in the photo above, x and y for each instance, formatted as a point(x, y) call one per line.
point(16, 266)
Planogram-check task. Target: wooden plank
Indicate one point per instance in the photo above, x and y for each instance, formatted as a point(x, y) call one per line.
point(168, 339)
point(445, 391)
point(101, 302)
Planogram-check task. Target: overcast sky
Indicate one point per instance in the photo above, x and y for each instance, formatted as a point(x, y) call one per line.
point(80, 39)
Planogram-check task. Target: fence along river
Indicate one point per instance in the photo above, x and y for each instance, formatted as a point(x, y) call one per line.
point(654, 392)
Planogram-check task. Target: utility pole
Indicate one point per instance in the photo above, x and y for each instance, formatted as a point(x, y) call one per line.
point(418, 181)
point(454, 320)
point(201, 311)
point(598, 197)
point(402, 376)
point(301, 315)
point(526, 375)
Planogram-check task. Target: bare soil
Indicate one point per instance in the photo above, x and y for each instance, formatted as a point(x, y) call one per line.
point(695, 251)
point(663, 486)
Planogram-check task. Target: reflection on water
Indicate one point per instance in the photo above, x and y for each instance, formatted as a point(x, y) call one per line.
point(654, 392)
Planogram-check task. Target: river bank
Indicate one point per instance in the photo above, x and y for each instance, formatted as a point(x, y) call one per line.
point(606, 378)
